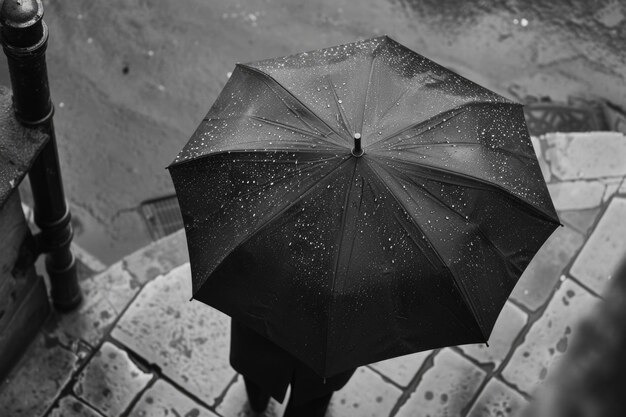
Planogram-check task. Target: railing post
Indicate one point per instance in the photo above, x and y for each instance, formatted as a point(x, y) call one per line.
point(24, 37)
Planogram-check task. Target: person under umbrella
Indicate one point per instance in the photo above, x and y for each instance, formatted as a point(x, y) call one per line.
point(268, 370)
point(354, 204)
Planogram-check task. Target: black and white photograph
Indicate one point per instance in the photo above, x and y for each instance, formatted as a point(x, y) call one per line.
point(313, 208)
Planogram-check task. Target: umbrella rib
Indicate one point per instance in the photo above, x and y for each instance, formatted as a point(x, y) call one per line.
point(344, 219)
point(465, 296)
point(256, 151)
point(429, 123)
point(359, 123)
point(268, 184)
point(288, 127)
point(397, 100)
point(399, 201)
point(535, 210)
point(265, 77)
point(416, 242)
point(344, 119)
point(442, 203)
point(419, 245)
point(265, 185)
point(319, 135)
point(514, 154)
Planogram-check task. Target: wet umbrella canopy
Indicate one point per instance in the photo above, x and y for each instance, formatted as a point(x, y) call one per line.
point(360, 202)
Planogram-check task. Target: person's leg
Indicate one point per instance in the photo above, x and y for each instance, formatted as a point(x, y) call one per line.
point(315, 408)
point(256, 397)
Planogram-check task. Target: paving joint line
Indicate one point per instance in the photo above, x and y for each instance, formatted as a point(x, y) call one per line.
point(138, 396)
point(106, 336)
point(428, 363)
point(156, 370)
point(385, 378)
point(220, 398)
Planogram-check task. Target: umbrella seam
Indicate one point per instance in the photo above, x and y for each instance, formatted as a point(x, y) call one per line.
point(263, 186)
point(393, 104)
point(460, 293)
point(367, 90)
point(265, 77)
point(537, 211)
point(282, 99)
point(453, 112)
point(286, 126)
point(431, 122)
point(495, 96)
point(517, 155)
point(329, 317)
point(319, 135)
point(344, 118)
point(466, 300)
point(443, 204)
point(418, 244)
point(254, 151)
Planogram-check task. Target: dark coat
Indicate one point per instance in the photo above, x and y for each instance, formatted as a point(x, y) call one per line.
point(274, 369)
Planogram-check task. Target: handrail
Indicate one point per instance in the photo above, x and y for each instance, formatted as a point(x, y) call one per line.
point(24, 37)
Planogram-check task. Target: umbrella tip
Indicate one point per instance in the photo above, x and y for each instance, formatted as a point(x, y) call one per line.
point(357, 150)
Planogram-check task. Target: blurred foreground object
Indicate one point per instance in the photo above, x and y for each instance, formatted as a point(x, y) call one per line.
point(590, 381)
point(24, 39)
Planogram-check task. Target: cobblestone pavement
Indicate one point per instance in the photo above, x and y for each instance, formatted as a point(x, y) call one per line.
point(138, 347)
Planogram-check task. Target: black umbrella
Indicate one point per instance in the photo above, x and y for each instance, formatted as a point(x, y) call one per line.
point(360, 202)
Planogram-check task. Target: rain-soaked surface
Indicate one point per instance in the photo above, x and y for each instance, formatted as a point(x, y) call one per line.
point(446, 204)
point(131, 82)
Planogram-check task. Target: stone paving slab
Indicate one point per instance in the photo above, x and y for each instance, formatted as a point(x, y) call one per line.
point(235, 403)
point(612, 187)
point(34, 384)
point(105, 295)
point(604, 249)
point(542, 274)
point(110, 381)
point(587, 155)
point(158, 258)
point(401, 370)
point(70, 406)
point(548, 337)
point(498, 400)
point(188, 341)
point(577, 195)
point(446, 389)
point(508, 326)
point(163, 400)
point(580, 220)
point(365, 395)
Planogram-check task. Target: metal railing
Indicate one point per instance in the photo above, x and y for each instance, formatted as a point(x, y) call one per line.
point(24, 37)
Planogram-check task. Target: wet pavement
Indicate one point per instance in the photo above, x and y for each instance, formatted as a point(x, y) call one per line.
point(131, 81)
point(138, 347)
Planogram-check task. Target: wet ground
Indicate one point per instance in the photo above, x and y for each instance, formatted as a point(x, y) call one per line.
point(131, 81)
point(137, 347)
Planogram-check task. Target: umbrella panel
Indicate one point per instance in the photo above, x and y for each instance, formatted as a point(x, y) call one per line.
point(247, 190)
point(374, 87)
